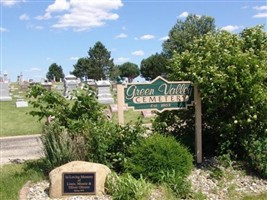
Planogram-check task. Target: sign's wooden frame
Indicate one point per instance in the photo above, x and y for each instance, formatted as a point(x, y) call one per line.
point(198, 118)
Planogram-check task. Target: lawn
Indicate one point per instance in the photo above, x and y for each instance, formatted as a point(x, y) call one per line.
point(16, 121)
point(14, 176)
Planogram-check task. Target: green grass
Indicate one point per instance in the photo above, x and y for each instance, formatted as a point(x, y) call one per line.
point(16, 121)
point(262, 196)
point(131, 116)
point(13, 177)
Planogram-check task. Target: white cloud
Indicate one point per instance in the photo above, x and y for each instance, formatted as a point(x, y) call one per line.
point(35, 69)
point(138, 53)
point(49, 59)
point(39, 27)
point(122, 35)
point(44, 17)
point(24, 17)
point(164, 38)
point(121, 60)
point(183, 15)
point(81, 15)
point(147, 37)
point(3, 29)
point(58, 6)
point(260, 15)
point(231, 28)
point(74, 58)
point(260, 7)
point(11, 2)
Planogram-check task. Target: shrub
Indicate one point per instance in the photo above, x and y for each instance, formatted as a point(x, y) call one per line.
point(109, 143)
point(257, 154)
point(178, 185)
point(58, 146)
point(231, 72)
point(157, 155)
point(126, 187)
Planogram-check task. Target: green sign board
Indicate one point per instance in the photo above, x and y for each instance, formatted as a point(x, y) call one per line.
point(159, 95)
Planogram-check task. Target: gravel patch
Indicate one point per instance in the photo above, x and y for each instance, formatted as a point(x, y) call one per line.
point(213, 181)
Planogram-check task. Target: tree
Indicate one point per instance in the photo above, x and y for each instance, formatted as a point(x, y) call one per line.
point(183, 33)
point(81, 68)
point(114, 72)
point(98, 65)
point(100, 62)
point(55, 72)
point(153, 66)
point(129, 70)
point(231, 72)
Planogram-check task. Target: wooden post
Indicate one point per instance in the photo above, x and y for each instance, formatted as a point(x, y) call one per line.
point(198, 124)
point(120, 101)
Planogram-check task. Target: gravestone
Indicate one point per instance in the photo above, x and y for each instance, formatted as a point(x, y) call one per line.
point(103, 92)
point(78, 178)
point(114, 107)
point(70, 84)
point(147, 113)
point(47, 85)
point(4, 92)
point(20, 103)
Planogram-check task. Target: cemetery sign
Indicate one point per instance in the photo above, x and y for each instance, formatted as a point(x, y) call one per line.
point(159, 95)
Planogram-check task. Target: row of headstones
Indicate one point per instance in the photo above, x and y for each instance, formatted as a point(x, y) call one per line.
point(103, 87)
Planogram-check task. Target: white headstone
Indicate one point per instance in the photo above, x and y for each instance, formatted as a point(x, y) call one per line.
point(4, 92)
point(21, 103)
point(103, 92)
point(70, 84)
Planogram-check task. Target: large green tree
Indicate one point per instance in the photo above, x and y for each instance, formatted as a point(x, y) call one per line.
point(81, 68)
point(55, 72)
point(100, 62)
point(98, 65)
point(184, 32)
point(153, 66)
point(129, 70)
point(231, 71)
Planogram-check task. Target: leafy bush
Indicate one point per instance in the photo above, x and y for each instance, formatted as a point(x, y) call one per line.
point(58, 146)
point(178, 185)
point(109, 143)
point(157, 155)
point(79, 130)
point(231, 71)
point(257, 154)
point(126, 187)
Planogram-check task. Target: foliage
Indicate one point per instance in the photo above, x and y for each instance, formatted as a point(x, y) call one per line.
point(97, 65)
point(55, 72)
point(126, 187)
point(109, 143)
point(80, 131)
point(257, 154)
point(114, 72)
point(157, 155)
point(81, 68)
point(153, 66)
point(71, 115)
point(59, 148)
point(184, 32)
point(129, 70)
point(231, 73)
point(179, 186)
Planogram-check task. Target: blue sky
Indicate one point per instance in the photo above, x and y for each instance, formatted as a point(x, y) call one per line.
point(35, 34)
